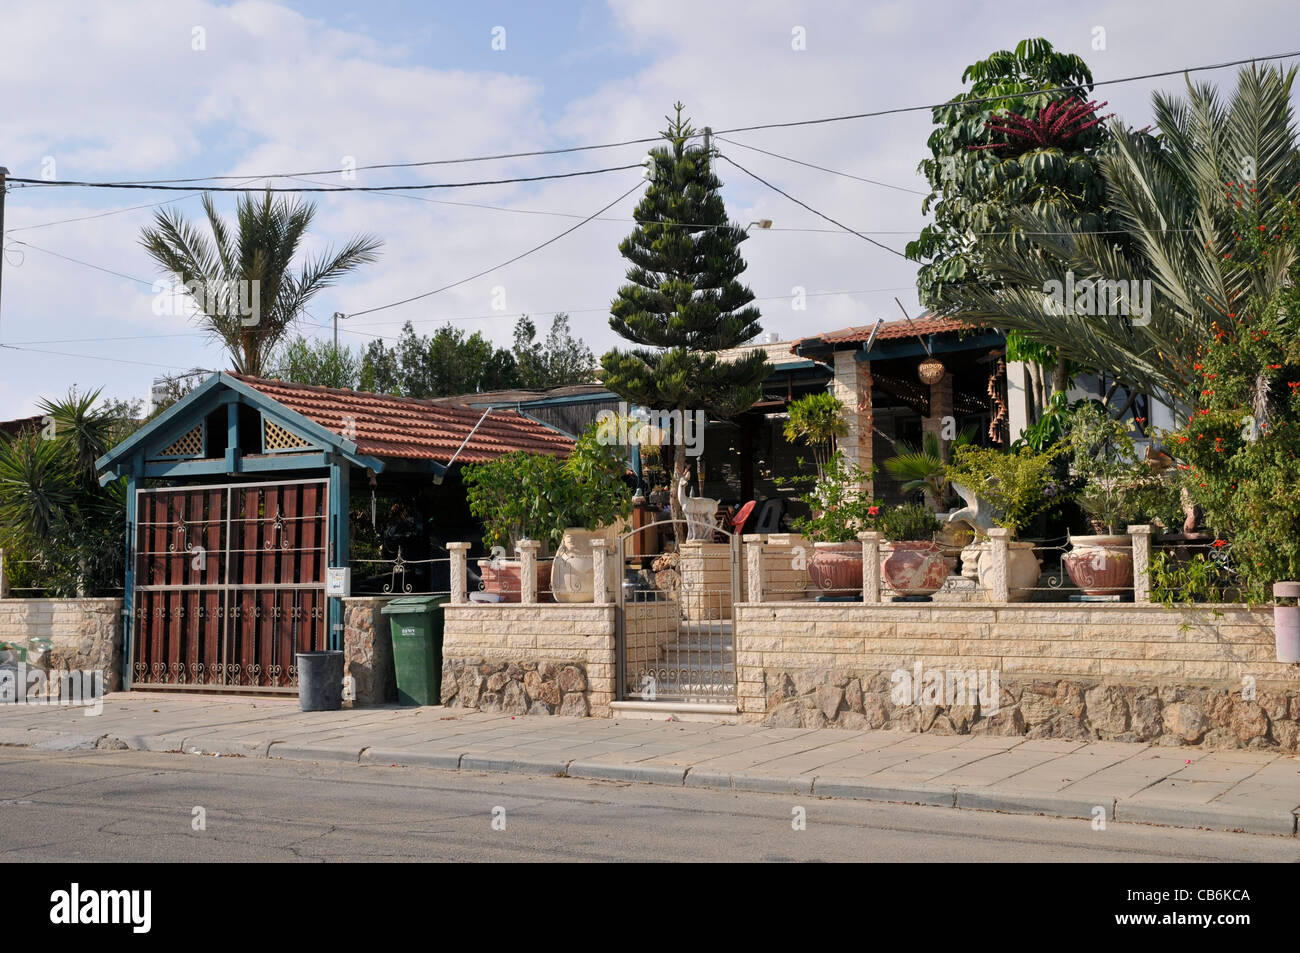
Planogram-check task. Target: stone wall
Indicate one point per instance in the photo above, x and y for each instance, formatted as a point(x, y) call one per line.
point(1117, 672)
point(487, 648)
point(84, 634)
point(546, 687)
point(368, 651)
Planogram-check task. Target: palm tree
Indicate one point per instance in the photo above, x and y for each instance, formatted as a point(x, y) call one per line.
point(1175, 196)
point(922, 468)
point(250, 267)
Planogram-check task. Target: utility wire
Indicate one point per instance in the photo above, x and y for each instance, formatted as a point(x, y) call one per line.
point(321, 188)
point(813, 210)
point(1079, 87)
point(116, 211)
point(503, 264)
point(822, 168)
point(93, 357)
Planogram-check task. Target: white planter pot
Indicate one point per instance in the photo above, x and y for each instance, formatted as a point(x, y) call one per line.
point(573, 574)
point(1023, 570)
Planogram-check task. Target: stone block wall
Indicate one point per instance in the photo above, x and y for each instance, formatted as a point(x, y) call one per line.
point(1206, 675)
point(368, 650)
point(565, 648)
point(84, 634)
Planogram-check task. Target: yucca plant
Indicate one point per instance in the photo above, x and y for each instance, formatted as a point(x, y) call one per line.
point(261, 248)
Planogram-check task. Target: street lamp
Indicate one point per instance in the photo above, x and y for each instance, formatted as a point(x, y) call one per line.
point(763, 223)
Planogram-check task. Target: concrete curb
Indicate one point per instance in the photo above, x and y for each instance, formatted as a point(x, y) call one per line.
point(1278, 822)
point(1252, 822)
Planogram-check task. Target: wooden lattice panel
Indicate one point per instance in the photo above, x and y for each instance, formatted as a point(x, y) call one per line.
point(275, 437)
point(187, 445)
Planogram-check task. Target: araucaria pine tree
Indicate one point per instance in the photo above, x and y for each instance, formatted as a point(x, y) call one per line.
point(683, 301)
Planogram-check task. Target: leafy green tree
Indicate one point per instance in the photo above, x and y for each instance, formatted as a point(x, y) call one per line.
point(683, 302)
point(1177, 197)
point(317, 362)
point(817, 420)
point(444, 364)
point(558, 360)
point(219, 272)
point(1020, 151)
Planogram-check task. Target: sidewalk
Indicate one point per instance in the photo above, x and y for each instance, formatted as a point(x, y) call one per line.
point(1250, 791)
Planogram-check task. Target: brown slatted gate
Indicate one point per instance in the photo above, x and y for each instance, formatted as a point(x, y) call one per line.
point(229, 585)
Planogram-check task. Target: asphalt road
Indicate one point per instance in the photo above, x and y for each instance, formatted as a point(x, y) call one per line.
point(137, 806)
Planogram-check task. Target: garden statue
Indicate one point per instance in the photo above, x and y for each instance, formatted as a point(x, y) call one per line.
point(701, 512)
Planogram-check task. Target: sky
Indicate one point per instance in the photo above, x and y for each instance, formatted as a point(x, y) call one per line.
point(137, 90)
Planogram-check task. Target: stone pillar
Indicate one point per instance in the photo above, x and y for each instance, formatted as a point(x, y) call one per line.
point(940, 407)
point(459, 576)
point(1019, 398)
point(852, 386)
point(599, 554)
point(1141, 536)
point(1000, 550)
point(870, 566)
point(528, 571)
point(754, 566)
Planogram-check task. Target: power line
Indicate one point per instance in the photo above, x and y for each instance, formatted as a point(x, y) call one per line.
point(321, 188)
point(90, 357)
point(1079, 87)
point(813, 210)
point(503, 264)
point(116, 211)
point(822, 168)
point(78, 261)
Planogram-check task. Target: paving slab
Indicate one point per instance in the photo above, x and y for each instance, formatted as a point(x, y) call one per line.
point(1257, 791)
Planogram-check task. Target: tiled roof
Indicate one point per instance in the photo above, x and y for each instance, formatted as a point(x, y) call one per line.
point(406, 428)
point(889, 330)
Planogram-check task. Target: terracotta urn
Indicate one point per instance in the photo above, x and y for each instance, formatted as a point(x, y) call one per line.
point(915, 567)
point(1100, 565)
point(504, 577)
point(836, 568)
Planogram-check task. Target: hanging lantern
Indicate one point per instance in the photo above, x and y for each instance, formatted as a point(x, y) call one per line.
point(930, 371)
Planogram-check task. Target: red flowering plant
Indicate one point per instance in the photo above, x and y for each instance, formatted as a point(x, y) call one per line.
point(1238, 451)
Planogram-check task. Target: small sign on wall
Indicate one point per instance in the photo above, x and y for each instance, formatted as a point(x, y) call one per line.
point(338, 582)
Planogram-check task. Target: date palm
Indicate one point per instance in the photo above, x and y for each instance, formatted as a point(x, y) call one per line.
point(260, 247)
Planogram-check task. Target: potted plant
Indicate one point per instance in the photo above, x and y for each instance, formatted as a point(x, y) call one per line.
point(597, 498)
point(922, 468)
point(1016, 486)
point(840, 511)
point(1104, 458)
point(517, 496)
point(912, 562)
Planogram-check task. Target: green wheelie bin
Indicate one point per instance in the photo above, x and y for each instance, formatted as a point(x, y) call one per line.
point(416, 626)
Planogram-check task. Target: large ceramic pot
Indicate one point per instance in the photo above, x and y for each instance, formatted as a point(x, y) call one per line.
point(1100, 565)
point(836, 568)
point(915, 567)
point(1023, 570)
point(506, 578)
point(573, 572)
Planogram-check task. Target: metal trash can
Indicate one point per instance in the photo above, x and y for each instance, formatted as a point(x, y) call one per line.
point(320, 680)
point(415, 623)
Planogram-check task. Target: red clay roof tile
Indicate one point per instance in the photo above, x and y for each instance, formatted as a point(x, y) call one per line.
point(411, 429)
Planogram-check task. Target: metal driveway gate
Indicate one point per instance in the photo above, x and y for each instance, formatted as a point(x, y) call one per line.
point(674, 634)
point(229, 585)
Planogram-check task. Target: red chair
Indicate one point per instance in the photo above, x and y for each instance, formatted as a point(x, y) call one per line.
point(738, 521)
